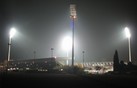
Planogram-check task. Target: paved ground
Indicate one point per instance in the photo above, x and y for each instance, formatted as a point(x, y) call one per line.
point(63, 80)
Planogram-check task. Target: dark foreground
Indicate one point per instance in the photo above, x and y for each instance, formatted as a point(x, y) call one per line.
point(63, 80)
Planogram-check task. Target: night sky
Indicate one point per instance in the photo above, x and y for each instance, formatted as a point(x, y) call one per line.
point(42, 24)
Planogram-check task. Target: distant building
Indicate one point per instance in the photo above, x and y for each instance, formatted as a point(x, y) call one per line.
point(41, 64)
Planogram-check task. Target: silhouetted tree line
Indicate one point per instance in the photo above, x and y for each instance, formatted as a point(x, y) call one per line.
point(121, 67)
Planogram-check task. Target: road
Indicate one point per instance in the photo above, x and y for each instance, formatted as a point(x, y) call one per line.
point(63, 80)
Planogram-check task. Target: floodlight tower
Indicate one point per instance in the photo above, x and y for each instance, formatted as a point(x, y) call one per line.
point(11, 34)
point(128, 35)
point(73, 16)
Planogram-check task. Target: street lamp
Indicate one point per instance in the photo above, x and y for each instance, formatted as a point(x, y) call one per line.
point(52, 52)
point(73, 16)
point(128, 35)
point(34, 54)
point(83, 58)
point(11, 34)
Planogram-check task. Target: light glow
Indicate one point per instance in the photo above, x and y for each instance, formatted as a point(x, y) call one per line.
point(12, 32)
point(73, 11)
point(128, 35)
point(67, 43)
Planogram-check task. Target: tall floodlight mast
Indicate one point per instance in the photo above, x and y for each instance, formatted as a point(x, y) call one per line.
point(11, 34)
point(73, 16)
point(128, 35)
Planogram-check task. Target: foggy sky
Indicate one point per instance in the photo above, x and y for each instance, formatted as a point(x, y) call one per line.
point(42, 24)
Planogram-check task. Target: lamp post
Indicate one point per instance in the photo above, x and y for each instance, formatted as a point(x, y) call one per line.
point(52, 52)
point(34, 54)
point(11, 34)
point(73, 16)
point(128, 35)
point(83, 58)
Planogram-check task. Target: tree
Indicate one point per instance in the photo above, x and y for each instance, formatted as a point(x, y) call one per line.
point(116, 61)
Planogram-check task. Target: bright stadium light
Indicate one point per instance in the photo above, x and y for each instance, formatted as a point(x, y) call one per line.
point(67, 44)
point(128, 35)
point(11, 34)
